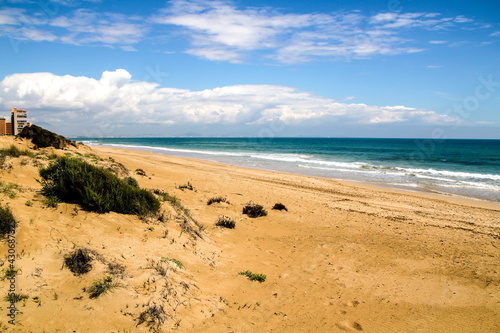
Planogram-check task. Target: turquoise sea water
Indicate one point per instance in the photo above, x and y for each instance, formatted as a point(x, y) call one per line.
point(461, 167)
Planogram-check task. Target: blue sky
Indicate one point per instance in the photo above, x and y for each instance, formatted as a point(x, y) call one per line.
point(394, 68)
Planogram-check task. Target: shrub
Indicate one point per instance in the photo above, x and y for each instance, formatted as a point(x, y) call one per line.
point(140, 172)
point(79, 261)
point(43, 138)
point(254, 210)
point(187, 186)
point(95, 189)
point(51, 201)
point(253, 276)
point(217, 200)
point(6, 220)
point(226, 222)
point(100, 287)
point(279, 206)
point(131, 181)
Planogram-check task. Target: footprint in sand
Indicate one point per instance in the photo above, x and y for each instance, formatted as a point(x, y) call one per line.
point(350, 326)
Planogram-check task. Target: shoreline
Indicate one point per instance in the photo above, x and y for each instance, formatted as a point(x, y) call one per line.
point(376, 186)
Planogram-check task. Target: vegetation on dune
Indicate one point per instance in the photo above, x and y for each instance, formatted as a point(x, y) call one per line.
point(101, 286)
point(254, 276)
point(217, 200)
point(43, 138)
point(13, 151)
point(6, 220)
point(279, 206)
point(187, 186)
point(254, 210)
point(226, 222)
point(79, 262)
point(95, 189)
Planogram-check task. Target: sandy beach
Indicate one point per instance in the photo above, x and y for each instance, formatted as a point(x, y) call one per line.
point(344, 257)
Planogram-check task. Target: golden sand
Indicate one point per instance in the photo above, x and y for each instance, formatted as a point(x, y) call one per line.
point(344, 257)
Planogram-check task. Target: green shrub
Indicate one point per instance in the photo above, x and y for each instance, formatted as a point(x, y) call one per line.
point(226, 222)
point(51, 201)
point(254, 210)
point(253, 276)
point(44, 138)
point(6, 220)
point(131, 181)
point(95, 189)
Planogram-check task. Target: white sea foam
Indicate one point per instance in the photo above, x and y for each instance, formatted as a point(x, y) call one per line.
point(355, 170)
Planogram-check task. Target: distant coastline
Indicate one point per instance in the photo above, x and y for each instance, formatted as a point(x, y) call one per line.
point(466, 168)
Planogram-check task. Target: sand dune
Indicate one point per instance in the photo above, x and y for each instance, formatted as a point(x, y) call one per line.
point(345, 257)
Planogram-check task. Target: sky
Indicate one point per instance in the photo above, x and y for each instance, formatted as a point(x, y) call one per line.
point(385, 69)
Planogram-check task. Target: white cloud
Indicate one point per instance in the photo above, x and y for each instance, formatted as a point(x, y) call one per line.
point(79, 27)
point(116, 98)
point(219, 30)
point(222, 31)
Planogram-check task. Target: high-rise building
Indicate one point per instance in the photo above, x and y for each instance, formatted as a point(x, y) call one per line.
point(3, 126)
point(19, 119)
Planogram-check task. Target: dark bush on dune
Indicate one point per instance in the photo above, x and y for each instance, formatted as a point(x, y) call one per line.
point(43, 138)
point(79, 261)
point(95, 189)
point(6, 220)
point(254, 210)
point(226, 222)
point(279, 206)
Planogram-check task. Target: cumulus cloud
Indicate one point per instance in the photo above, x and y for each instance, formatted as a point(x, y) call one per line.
point(119, 99)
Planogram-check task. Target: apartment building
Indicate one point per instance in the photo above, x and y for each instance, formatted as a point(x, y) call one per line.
point(18, 120)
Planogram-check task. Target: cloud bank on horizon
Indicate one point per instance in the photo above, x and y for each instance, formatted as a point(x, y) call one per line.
point(260, 40)
point(115, 97)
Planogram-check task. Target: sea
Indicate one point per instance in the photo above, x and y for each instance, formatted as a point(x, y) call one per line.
point(464, 168)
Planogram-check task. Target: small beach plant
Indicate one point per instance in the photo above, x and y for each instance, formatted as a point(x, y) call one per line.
point(101, 286)
point(217, 200)
point(226, 222)
point(254, 276)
